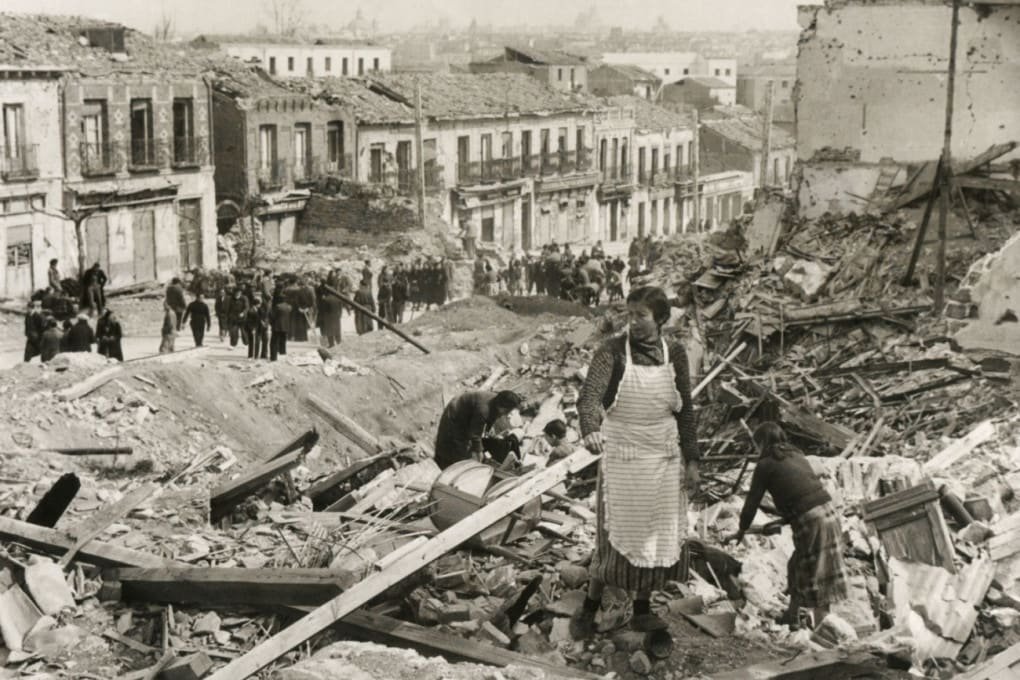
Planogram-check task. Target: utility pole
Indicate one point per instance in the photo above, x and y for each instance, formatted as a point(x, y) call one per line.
point(420, 153)
point(947, 163)
point(696, 172)
point(766, 141)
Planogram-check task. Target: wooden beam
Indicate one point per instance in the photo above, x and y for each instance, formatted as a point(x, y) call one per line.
point(97, 380)
point(836, 436)
point(1010, 186)
point(959, 168)
point(883, 368)
point(96, 523)
point(306, 442)
point(228, 495)
point(529, 487)
point(365, 440)
point(383, 322)
point(54, 542)
point(226, 585)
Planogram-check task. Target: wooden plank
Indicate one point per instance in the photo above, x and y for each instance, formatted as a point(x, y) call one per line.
point(959, 448)
point(377, 628)
point(529, 487)
point(97, 523)
point(226, 585)
point(306, 442)
point(346, 426)
point(801, 666)
point(1003, 666)
point(54, 542)
point(882, 368)
point(97, 380)
point(226, 496)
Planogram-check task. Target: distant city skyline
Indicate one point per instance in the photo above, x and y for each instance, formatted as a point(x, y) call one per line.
point(193, 17)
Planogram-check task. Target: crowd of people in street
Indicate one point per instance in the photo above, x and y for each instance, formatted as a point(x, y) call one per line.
point(264, 311)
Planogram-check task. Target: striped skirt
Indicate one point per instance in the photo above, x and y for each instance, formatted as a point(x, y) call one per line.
point(816, 574)
point(613, 569)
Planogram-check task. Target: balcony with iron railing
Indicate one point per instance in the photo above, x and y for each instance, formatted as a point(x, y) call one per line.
point(617, 175)
point(99, 159)
point(407, 180)
point(566, 162)
point(19, 162)
point(272, 176)
point(145, 155)
point(189, 152)
point(490, 171)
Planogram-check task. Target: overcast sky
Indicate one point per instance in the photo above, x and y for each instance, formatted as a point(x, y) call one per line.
point(217, 16)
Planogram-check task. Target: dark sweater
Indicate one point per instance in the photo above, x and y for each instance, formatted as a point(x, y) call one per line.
point(198, 312)
point(793, 484)
point(603, 381)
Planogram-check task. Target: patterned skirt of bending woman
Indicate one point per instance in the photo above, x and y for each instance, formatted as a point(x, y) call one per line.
point(816, 574)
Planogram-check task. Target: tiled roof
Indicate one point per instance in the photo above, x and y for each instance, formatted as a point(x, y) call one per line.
point(746, 131)
point(28, 40)
point(239, 79)
point(460, 95)
point(368, 105)
point(649, 116)
point(707, 81)
point(540, 56)
point(633, 72)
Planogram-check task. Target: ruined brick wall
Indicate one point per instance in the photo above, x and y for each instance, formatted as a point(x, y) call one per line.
point(355, 221)
point(872, 79)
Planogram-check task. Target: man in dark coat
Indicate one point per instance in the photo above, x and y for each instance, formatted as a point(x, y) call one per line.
point(363, 323)
point(35, 326)
point(401, 292)
point(282, 322)
point(201, 320)
point(384, 294)
point(52, 338)
point(256, 324)
point(93, 294)
point(330, 310)
point(237, 312)
point(108, 336)
point(80, 337)
point(465, 421)
point(222, 311)
point(175, 299)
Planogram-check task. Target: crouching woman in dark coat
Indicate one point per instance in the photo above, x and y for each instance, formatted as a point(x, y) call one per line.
point(108, 336)
point(816, 574)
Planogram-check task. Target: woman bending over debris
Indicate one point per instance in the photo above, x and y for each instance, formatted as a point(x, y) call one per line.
point(649, 448)
point(816, 575)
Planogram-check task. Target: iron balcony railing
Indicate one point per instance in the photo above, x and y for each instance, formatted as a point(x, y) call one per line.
point(189, 151)
point(617, 175)
point(19, 162)
point(98, 159)
point(407, 180)
point(144, 154)
point(537, 165)
point(272, 175)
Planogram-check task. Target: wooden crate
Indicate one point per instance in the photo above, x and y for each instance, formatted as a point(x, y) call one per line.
point(911, 526)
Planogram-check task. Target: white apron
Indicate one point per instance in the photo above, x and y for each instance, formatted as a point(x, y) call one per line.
point(642, 469)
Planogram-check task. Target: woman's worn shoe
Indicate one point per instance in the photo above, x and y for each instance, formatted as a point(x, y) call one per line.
point(582, 624)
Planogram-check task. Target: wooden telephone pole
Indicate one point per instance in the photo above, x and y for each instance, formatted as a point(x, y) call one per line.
point(766, 141)
point(946, 177)
point(696, 172)
point(420, 153)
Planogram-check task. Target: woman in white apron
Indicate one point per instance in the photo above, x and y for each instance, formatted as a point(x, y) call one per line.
point(636, 410)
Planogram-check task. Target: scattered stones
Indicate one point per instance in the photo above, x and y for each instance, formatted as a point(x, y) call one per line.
point(640, 663)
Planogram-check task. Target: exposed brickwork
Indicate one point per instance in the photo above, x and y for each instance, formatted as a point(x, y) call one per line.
point(354, 221)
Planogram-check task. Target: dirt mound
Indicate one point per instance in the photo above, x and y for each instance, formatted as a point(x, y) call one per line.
point(542, 304)
point(468, 314)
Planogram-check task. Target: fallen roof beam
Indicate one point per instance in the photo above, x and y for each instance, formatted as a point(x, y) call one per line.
point(228, 495)
point(382, 322)
point(883, 368)
point(923, 183)
point(54, 542)
point(1011, 186)
point(226, 585)
point(527, 488)
point(365, 440)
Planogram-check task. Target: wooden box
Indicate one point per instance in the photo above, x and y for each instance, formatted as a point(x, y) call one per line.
point(911, 526)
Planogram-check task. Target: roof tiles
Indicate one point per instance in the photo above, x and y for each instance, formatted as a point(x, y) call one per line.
point(649, 116)
point(747, 132)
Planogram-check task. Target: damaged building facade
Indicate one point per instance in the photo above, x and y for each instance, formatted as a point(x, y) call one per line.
point(510, 159)
point(272, 143)
point(870, 94)
point(108, 129)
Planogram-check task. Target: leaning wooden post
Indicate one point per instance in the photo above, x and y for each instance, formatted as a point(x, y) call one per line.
point(382, 322)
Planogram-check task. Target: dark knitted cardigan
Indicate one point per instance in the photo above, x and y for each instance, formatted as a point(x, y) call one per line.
point(603, 381)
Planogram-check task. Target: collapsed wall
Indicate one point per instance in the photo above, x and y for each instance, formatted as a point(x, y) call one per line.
point(990, 298)
point(363, 220)
point(872, 87)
